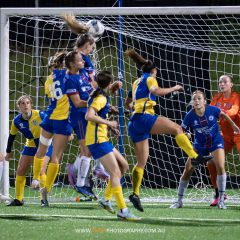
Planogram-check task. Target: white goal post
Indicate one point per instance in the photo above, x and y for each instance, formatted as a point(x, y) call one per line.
point(188, 44)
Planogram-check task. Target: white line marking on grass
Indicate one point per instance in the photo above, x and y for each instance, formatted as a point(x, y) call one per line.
point(114, 217)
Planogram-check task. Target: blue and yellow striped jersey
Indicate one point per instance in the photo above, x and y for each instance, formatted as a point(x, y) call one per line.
point(97, 133)
point(143, 99)
point(29, 128)
point(58, 108)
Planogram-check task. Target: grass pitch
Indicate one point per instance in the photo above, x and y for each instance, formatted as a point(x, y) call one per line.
point(85, 220)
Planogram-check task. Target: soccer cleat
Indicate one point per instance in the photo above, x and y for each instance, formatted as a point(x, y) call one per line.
point(101, 174)
point(86, 192)
point(200, 160)
point(176, 205)
point(71, 176)
point(221, 205)
point(15, 203)
point(215, 200)
point(44, 201)
point(135, 200)
point(106, 205)
point(35, 184)
point(127, 215)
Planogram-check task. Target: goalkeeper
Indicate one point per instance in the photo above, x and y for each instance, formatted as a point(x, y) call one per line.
point(228, 101)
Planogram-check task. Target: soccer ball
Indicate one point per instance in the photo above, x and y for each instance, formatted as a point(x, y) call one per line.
point(96, 28)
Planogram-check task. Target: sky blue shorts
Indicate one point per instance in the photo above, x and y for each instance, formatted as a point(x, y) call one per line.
point(99, 150)
point(140, 125)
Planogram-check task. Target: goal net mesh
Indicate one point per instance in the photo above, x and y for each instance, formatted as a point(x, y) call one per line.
point(191, 50)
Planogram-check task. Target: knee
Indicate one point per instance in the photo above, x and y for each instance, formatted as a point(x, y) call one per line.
point(124, 168)
point(178, 130)
point(116, 173)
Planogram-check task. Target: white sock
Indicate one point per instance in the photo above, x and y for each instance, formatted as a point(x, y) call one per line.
point(87, 179)
point(221, 183)
point(83, 170)
point(76, 164)
point(1, 180)
point(1, 169)
point(99, 165)
point(183, 184)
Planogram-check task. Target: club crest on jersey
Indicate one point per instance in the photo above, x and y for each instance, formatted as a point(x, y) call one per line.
point(21, 125)
point(210, 118)
point(34, 122)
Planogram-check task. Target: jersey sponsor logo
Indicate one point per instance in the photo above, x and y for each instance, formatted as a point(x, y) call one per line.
point(86, 88)
point(228, 105)
point(21, 125)
point(195, 122)
point(71, 90)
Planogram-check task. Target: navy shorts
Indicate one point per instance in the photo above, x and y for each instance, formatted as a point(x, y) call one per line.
point(99, 150)
point(140, 126)
point(80, 125)
point(62, 127)
point(204, 151)
point(31, 151)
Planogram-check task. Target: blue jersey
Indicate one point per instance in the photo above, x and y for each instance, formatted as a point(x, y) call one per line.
point(78, 84)
point(88, 64)
point(58, 108)
point(206, 130)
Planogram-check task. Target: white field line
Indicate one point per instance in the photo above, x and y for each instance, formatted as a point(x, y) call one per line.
point(114, 217)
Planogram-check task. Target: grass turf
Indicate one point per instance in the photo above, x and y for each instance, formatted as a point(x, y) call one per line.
point(88, 221)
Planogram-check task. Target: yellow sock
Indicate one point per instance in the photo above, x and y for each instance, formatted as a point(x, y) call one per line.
point(184, 143)
point(137, 176)
point(52, 172)
point(118, 194)
point(19, 187)
point(37, 167)
point(43, 178)
point(108, 192)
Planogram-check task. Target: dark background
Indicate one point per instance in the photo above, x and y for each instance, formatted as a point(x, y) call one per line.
point(110, 3)
point(162, 178)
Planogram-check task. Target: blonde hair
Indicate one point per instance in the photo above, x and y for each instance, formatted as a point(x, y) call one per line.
point(23, 97)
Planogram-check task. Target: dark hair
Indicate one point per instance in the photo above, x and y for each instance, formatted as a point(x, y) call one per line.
point(146, 65)
point(200, 92)
point(57, 60)
point(70, 58)
point(103, 79)
point(82, 39)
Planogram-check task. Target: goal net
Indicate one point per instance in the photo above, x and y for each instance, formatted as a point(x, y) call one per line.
point(191, 48)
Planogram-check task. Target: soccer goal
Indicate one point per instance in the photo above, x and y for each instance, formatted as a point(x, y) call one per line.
point(191, 46)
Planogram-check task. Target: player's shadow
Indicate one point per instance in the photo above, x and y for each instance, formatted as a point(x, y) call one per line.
point(171, 222)
point(28, 218)
point(83, 207)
